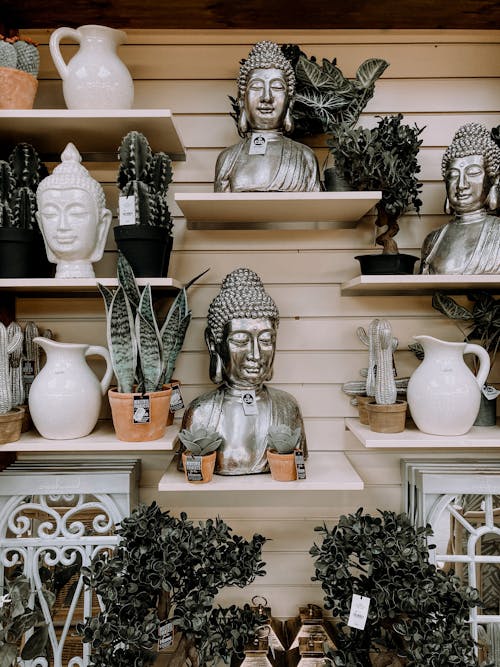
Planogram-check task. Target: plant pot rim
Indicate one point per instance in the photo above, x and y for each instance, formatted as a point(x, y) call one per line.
point(18, 73)
point(16, 414)
point(141, 231)
point(398, 406)
point(113, 391)
point(275, 453)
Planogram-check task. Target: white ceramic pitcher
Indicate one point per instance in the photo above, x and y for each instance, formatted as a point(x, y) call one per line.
point(95, 78)
point(65, 397)
point(443, 394)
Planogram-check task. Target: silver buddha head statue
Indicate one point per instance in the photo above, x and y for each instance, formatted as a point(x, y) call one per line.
point(73, 217)
point(470, 168)
point(241, 331)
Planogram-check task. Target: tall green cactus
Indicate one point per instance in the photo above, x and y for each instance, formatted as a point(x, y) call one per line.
point(19, 53)
point(15, 340)
point(19, 179)
point(7, 345)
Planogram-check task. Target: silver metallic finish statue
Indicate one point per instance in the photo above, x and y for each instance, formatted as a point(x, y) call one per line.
point(470, 242)
point(266, 160)
point(241, 338)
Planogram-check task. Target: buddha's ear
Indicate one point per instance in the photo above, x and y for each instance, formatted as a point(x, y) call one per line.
point(215, 370)
point(102, 234)
point(447, 207)
point(288, 121)
point(492, 198)
point(242, 123)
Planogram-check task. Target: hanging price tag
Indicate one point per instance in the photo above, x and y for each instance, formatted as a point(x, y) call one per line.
point(165, 635)
point(490, 392)
point(300, 464)
point(141, 410)
point(176, 402)
point(359, 611)
point(126, 210)
point(258, 144)
point(193, 468)
point(249, 402)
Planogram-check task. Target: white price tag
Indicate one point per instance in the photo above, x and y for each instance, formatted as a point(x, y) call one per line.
point(359, 612)
point(490, 392)
point(258, 144)
point(127, 210)
point(249, 402)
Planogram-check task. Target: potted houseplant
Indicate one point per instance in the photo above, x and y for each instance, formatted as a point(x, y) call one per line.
point(417, 613)
point(170, 563)
point(143, 354)
point(198, 458)
point(282, 443)
point(144, 234)
point(19, 63)
point(383, 158)
point(11, 415)
point(22, 252)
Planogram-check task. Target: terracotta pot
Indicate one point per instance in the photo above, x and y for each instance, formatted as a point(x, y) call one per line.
point(17, 89)
point(282, 466)
point(207, 468)
point(10, 425)
point(122, 414)
point(362, 411)
point(387, 418)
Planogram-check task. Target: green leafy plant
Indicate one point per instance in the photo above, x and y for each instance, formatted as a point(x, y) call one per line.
point(143, 352)
point(383, 158)
point(172, 562)
point(282, 439)
point(416, 612)
point(200, 441)
point(20, 53)
point(145, 176)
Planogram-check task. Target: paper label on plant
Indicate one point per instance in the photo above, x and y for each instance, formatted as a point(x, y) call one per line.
point(359, 612)
point(300, 464)
point(249, 402)
point(176, 402)
point(141, 410)
point(193, 468)
point(126, 210)
point(165, 635)
point(28, 370)
point(490, 392)
point(258, 144)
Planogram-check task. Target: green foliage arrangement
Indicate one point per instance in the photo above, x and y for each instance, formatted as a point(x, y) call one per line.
point(417, 612)
point(20, 53)
point(282, 439)
point(200, 441)
point(383, 158)
point(160, 555)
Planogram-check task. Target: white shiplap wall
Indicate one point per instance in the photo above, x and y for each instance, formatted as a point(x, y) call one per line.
point(441, 80)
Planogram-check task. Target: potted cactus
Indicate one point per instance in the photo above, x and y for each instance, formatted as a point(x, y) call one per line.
point(22, 253)
point(19, 62)
point(144, 234)
point(282, 443)
point(143, 354)
point(200, 451)
point(11, 415)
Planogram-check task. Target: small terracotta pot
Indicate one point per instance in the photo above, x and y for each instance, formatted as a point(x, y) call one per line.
point(17, 89)
point(387, 418)
point(282, 466)
point(362, 411)
point(207, 468)
point(122, 414)
point(10, 425)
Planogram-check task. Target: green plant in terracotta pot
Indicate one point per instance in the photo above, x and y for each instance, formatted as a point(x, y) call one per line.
point(417, 614)
point(282, 443)
point(383, 158)
point(170, 563)
point(19, 63)
point(200, 451)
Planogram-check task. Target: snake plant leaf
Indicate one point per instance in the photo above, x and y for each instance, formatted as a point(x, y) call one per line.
point(127, 281)
point(35, 646)
point(449, 307)
point(370, 70)
point(149, 342)
point(122, 342)
point(107, 296)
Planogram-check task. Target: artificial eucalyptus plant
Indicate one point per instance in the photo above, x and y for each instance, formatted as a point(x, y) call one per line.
point(170, 563)
point(417, 612)
point(383, 158)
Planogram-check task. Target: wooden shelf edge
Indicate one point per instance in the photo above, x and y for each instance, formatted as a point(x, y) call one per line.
point(74, 285)
point(394, 285)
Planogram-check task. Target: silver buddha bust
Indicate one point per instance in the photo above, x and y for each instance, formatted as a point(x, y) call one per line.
point(241, 338)
point(73, 217)
point(265, 160)
point(470, 242)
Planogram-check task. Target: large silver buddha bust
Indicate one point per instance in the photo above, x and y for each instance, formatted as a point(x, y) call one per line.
point(470, 242)
point(241, 338)
point(265, 160)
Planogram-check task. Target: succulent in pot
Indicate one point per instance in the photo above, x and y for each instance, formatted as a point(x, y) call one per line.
point(200, 451)
point(19, 63)
point(144, 234)
point(282, 443)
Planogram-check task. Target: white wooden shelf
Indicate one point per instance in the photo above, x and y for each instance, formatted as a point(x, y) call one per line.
point(411, 438)
point(325, 471)
point(102, 439)
point(392, 285)
point(52, 286)
point(271, 210)
point(96, 133)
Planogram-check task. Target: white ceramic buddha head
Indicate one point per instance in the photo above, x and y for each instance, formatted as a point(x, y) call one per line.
point(73, 217)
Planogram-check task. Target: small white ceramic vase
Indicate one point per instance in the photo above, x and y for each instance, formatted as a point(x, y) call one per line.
point(65, 397)
point(443, 394)
point(95, 78)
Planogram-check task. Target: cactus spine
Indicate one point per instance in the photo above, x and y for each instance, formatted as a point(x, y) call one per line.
point(385, 344)
point(21, 54)
point(19, 179)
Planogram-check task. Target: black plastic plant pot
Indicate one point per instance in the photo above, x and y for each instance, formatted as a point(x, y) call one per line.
point(20, 253)
point(147, 249)
point(372, 265)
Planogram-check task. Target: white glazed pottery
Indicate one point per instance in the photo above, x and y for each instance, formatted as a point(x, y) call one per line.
point(95, 78)
point(443, 394)
point(65, 397)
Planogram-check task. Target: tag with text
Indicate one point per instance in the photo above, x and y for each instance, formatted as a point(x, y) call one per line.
point(141, 410)
point(300, 464)
point(490, 392)
point(193, 468)
point(249, 402)
point(176, 402)
point(359, 612)
point(258, 144)
point(165, 635)
point(127, 210)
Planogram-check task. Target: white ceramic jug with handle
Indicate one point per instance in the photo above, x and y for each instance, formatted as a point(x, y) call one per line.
point(65, 397)
point(95, 78)
point(443, 394)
